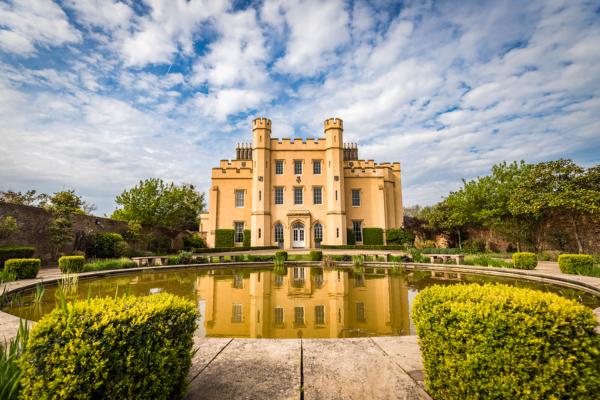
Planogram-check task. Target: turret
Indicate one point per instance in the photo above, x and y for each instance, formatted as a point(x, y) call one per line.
point(261, 182)
point(334, 128)
point(336, 208)
point(261, 133)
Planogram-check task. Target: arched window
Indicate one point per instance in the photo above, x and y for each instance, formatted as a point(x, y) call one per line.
point(318, 232)
point(278, 229)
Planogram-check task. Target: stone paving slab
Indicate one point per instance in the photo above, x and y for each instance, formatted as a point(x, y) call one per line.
point(207, 349)
point(251, 369)
point(404, 351)
point(353, 369)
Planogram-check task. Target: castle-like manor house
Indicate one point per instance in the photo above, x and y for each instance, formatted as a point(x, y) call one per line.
point(301, 193)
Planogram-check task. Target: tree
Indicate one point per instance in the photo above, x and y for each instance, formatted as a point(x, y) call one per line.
point(8, 226)
point(559, 187)
point(29, 198)
point(155, 202)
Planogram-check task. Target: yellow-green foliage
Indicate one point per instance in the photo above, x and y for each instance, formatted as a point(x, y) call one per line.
point(23, 268)
point(580, 264)
point(125, 348)
point(69, 264)
point(524, 260)
point(502, 342)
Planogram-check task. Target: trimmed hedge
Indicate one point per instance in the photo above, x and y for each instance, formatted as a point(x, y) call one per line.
point(68, 264)
point(373, 236)
point(578, 264)
point(503, 342)
point(363, 247)
point(316, 255)
point(524, 260)
point(224, 238)
point(350, 238)
point(247, 237)
point(282, 253)
point(228, 249)
point(125, 348)
point(23, 268)
point(8, 252)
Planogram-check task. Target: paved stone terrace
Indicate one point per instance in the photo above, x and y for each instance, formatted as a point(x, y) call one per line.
point(361, 368)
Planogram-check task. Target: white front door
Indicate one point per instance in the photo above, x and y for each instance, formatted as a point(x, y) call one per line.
point(298, 235)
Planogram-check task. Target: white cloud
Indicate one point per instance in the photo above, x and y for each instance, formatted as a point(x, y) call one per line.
point(107, 14)
point(27, 23)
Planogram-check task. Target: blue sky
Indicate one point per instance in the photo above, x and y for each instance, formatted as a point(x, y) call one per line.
point(98, 94)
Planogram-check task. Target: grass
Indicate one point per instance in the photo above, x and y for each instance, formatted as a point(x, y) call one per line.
point(114, 263)
point(10, 373)
point(486, 261)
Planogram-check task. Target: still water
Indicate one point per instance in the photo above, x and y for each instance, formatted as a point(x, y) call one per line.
point(302, 301)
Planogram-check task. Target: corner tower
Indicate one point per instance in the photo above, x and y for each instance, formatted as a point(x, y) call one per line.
point(336, 208)
point(260, 219)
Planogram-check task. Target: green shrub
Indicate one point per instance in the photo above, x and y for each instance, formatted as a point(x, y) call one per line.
point(486, 261)
point(399, 236)
point(503, 342)
point(373, 236)
point(23, 268)
point(103, 265)
point(418, 257)
point(124, 348)
point(224, 237)
point(8, 252)
point(350, 238)
point(578, 264)
point(185, 257)
point(226, 249)
point(255, 258)
point(247, 238)
point(473, 246)
point(524, 260)
point(363, 247)
point(103, 245)
point(193, 241)
point(122, 249)
point(69, 264)
point(282, 253)
point(316, 255)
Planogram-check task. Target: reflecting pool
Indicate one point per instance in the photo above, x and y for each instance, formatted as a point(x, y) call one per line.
point(298, 301)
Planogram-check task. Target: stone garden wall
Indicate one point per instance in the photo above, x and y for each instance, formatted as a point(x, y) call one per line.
point(33, 223)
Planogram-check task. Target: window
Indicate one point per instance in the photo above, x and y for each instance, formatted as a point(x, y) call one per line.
point(317, 167)
point(317, 195)
point(355, 198)
point(278, 315)
point(318, 232)
point(357, 229)
point(299, 274)
point(360, 312)
point(297, 167)
point(238, 281)
point(239, 198)
point(279, 280)
point(259, 233)
point(359, 280)
point(278, 167)
point(298, 195)
point(236, 313)
point(259, 195)
point(318, 280)
point(239, 232)
point(278, 195)
point(320, 315)
point(278, 233)
point(299, 315)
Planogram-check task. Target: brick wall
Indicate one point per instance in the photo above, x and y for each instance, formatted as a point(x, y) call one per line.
point(33, 223)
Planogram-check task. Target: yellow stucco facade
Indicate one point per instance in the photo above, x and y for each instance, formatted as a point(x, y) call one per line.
point(295, 193)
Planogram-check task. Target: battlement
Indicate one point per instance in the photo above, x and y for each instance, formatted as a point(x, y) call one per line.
point(298, 144)
point(261, 123)
point(331, 123)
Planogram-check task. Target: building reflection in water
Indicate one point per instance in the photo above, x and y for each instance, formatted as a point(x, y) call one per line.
point(307, 302)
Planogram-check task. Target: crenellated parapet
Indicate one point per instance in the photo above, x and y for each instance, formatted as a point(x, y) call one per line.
point(261, 123)
point(333, 123)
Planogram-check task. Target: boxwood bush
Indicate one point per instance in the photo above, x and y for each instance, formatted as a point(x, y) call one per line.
point(350, 238)
point(282, 253)
point(68, 264)
point(399, 236)
point(502, 342)
point(23, 268)
point(579, 264)
point(524, 260)
point(316, 255)
point(105, 245)
point(247, 238)
point(224, 237)
point(8, 252)
point(125, 348)
point(363, 247)
point(373, 236)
